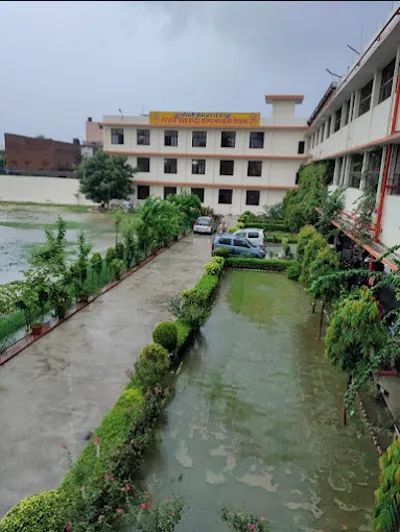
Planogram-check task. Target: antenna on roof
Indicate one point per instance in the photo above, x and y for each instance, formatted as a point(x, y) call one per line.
point(353, 49)
point(120, 112)
point(332, 73)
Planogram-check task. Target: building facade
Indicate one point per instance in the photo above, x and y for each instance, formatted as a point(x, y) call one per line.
point(233, 162)
point(94, 138)
point(40, 156)
point(356, 126)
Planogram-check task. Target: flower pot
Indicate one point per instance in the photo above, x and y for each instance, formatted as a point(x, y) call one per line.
point(154, 252)
point(37, 329)
point(84, 298)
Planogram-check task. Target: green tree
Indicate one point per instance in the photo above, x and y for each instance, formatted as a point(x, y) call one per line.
point(189, 206)
point(105, 177)
point(2, 163)
point(50, 259)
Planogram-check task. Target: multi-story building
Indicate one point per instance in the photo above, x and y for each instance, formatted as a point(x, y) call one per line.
point(233, 162)
point(356, 126)
point(94, 138)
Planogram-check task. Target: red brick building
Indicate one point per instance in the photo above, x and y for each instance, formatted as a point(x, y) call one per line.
point(38, 156)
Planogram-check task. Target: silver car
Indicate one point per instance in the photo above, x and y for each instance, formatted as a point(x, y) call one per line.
point(205, 225)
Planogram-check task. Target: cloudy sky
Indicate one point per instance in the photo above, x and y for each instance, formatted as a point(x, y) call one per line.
point(64, 61)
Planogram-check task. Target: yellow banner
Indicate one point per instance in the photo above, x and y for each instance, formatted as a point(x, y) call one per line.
point(221, 120)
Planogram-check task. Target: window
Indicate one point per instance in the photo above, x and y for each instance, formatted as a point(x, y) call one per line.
point(168, 191)
point(296, 181)
point(228, 139)
point(393, 185)
point(199, 139)
point(170, 166)
point(198, 166)
point(143, 164)
point(143, 137)
point(225, 196)
point(338, 116)
point(252, 197)
point(225, 241)
point(300, 148)
point(143, 191)
point(199, 192)
point(170, 137)
point(117, 135)
point(254, 168)
point(385, 90)
point(374, 168)
point(256, 139)
point(355, 170)
point(328, 127)
point(365, 99)
point(322, 131)
point(240, 243)
point(346, 113)
point(226, 167)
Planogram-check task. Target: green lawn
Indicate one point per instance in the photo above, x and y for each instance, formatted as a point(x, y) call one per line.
point(42, 225)
point(67, 208)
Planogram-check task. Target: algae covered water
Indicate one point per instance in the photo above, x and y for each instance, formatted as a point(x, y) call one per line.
point(256, 422)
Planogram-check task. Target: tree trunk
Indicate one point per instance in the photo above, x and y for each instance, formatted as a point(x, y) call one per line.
point(321, 321)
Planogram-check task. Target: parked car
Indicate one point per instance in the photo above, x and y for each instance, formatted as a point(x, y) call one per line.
point(205, 224)
point(237, 246)
point(255, 236)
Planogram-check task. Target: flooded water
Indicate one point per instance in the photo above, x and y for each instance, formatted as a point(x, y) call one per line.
point(256, 422)
point(27, 230)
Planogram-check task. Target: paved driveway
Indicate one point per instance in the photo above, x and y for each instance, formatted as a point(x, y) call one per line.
point(58, 389)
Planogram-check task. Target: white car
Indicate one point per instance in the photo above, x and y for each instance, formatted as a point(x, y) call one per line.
point(255, 236)
point(205, 224)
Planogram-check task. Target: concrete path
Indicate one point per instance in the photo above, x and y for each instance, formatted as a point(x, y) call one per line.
point(58, 389)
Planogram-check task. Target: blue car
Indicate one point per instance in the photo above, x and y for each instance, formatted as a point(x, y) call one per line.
point(238, 246)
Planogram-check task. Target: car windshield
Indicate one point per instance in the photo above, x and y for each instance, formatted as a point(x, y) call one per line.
point(203, 221)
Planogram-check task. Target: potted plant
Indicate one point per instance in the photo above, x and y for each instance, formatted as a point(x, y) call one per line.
point(61, 299)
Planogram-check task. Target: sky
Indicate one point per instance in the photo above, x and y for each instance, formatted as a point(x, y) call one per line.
point(64, 61)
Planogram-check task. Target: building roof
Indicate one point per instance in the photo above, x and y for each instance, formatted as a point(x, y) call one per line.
point(296, 98)
point(328, 93)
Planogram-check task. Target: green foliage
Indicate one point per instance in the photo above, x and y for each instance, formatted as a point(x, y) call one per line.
point(274, 212)
point(307, 233)
point(41, 512)
point(364, 208)
point(110, 255)
point(190, 307)
point(267, 226)
point(60, 298)
point(96, 262)
point(314, 244)
point(387, 497)
point(3, 163)
point(215, 266)
point(160, 221)
point(355, 334)
point(165, 333)
point(331, 203)
point(237, 227)
point(50, 258)
point(105, 177)
point(116, 267)
point(221, 252)
point(271, 265)
point(189, 207)
point(325, 262)
point(183, 337)
point(119, 250)
point(294, 271)
point(299, 206)
point(286, 248)
point(152, 366)
point(243, 522)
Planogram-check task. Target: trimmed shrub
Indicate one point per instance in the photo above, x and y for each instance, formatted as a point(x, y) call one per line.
point(165, 333)
point(206, 287)
point(152, 366)
point(184, 336)
point(110, 255)
point(271, 265)
point(294, 271)
point(41, 512)
point(268, 226)
point(119, 250)
point(96, 262)
point(221, 252)
point(215, 266)
point(237, 227)
point(278, 240)
point(116, 267)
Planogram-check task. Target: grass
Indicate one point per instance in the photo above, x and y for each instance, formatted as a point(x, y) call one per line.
point(41, 225)
point(69, 208)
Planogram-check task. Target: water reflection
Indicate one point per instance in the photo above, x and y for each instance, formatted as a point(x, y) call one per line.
point(256, 419)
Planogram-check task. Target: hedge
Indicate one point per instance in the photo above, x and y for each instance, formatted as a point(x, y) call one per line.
point(268, 226)
point(292, 239)
point(272, 265)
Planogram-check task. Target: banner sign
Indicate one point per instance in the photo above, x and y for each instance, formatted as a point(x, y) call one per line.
point(217, 120)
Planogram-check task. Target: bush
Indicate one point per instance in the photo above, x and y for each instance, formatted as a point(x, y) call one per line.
point(119, 250)
point(294, 271)
point(272, 265)
point(152, 366)
point(268, 226)
point(116, 267)
point(166, 334)
point(306, 233)
point(221, 252)
point(37, 513)
point(110, 255)
point(237, 227)
point(192, 306)
point(184, 336)
point(97, 262)
point(215, 266)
